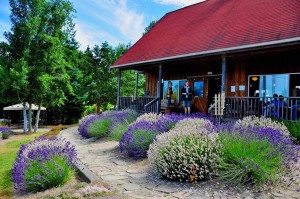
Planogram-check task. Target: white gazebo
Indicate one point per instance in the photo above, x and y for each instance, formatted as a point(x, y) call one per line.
point(19, 107)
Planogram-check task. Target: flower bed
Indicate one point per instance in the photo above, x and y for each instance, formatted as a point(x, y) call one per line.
point(136, 140)
point(42, 164)
point(195, 147)
point(253, 150)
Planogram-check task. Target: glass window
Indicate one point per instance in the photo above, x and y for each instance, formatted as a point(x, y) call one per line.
point(176, 86)
point(268, 85)
point(199, 88)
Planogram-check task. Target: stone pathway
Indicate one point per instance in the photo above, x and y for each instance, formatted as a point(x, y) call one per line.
point(131, 178)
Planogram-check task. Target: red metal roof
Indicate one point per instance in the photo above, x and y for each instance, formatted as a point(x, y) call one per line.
point(213, 25)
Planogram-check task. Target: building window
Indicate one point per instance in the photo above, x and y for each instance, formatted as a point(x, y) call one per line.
point(267, 85)
point(199, 88)
point(176, 87)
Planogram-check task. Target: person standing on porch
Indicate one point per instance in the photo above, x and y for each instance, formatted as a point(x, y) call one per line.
point(187, 95)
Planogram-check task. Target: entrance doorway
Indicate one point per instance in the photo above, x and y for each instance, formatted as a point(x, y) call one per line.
point(211, 85)
point(214, 87)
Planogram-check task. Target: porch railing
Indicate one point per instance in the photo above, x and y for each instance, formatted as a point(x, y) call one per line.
point(152, 107)
point(136, 103)
point(287, 108)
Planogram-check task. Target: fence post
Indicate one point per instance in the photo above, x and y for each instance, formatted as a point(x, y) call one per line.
point(219, 104)
point(159, 88)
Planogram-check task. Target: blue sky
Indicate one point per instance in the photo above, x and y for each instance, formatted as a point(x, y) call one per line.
point(115, 21)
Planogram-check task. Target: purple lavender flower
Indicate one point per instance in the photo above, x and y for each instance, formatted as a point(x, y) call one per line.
point(115, 116)
point(6, 129)
point(136, 140)
point(278, 139)
point(40, 149)
point(84, 126)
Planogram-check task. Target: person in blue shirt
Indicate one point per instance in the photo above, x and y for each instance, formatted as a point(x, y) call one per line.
point(187, 95)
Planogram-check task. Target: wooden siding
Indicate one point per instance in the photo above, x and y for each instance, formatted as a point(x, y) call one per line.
point(241, 67)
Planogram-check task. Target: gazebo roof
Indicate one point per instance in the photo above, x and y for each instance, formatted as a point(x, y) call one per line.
point(217, 27)
point(19, 107)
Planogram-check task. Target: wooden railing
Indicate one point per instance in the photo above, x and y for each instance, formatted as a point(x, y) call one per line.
point(152, 107)
point(136, 103)
point(287, 108)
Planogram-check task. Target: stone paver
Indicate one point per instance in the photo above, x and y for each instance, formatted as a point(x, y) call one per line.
point(131, 178)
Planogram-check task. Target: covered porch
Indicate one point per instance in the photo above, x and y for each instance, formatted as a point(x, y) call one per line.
point(249, 81)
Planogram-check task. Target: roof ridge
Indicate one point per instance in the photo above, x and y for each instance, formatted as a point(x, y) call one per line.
point(186, 7)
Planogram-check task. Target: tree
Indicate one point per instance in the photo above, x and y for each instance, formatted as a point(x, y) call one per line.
point(149, 27)
point(39, 42)
point(99, 83)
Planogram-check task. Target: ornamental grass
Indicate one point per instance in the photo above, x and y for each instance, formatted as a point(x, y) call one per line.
point(43, 163)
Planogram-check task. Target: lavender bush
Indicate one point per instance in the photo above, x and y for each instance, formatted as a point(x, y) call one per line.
point(38, 153)
point(255, 154)
point(85, 122)
point(6, 129)
point(188, 152)
point(136, 140)
point(263, 122)
point(92, 125)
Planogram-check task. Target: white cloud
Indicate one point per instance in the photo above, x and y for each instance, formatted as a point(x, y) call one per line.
point(89, 35)
point(182, 3)
point(110, 20)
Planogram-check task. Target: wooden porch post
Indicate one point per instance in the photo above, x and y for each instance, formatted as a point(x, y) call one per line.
point(119, 89)
point(136, 83)
point(223, 83)
point(159, 87)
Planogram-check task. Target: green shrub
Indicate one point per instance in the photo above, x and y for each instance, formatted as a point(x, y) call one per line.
point(118, 131)
point(40, 176)
point(5, 135)
point(249, 160)
point(99, 128)
point(294, 128)
point(89, 110)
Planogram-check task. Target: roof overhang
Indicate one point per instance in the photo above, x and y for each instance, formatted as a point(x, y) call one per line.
point(19, 107)
point(222, 51)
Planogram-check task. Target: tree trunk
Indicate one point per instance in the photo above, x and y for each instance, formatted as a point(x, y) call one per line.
point(25, 129)
point(37, 118)
point(98, 111)
point(30, 118)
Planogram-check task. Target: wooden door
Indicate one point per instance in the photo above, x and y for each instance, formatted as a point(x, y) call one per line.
point(200, 87)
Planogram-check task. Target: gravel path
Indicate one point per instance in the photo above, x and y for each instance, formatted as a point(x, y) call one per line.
point(131, 178)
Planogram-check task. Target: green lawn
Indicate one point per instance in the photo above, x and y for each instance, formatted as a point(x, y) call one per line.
point(8, 154)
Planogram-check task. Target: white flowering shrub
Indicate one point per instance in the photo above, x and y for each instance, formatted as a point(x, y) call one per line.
point(188, 152)
point(149, 117)
point(253, 121)
point(91, 191)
